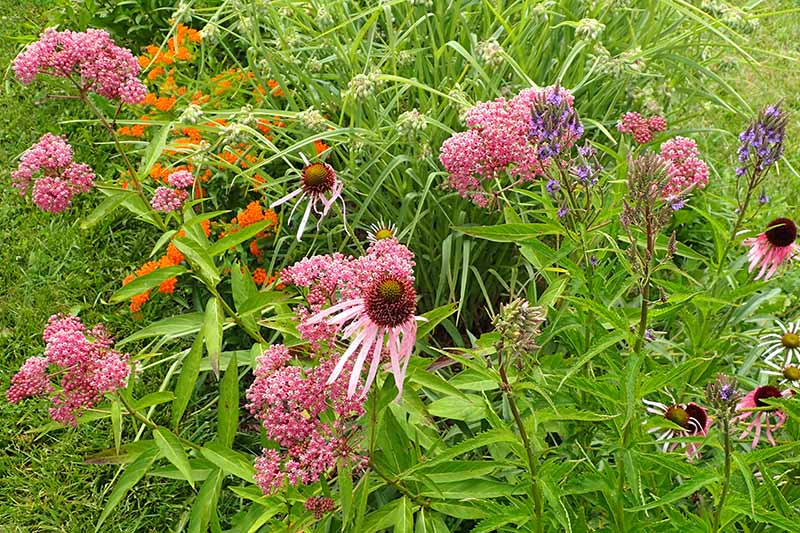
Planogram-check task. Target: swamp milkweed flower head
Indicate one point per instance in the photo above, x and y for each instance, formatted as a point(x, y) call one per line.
point(310, 418)
point(518, 324)
point(181, 179)
point(508, 136)
point(685, 169)
point(769, 420)
point(60, 179)
point(761, 144)
point(86, 362)
point(90, 58)
point(641, 128)
point(320, 185)
point(772, 248)
point(167, 200)
point(692, 419)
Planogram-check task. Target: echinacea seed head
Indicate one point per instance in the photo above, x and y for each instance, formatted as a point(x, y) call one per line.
point(384, 233)
point(698, 414)
point(765, 392)
point(790, 340)
point(781, 232)
point(792, 373)
point(391, 301)
point(678, 415)
point(318, 178)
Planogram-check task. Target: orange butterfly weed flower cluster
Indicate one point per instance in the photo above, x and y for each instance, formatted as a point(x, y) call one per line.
point(260, 277)
point(172, 257)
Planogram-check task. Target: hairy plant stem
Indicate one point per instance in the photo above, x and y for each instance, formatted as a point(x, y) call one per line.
point(726, 435)
point(530, 456)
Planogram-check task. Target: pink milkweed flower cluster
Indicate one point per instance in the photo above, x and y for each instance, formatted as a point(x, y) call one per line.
point(766, 421)
point(294, 406)
point(89, 58)
point(167, 199)
point(370, 301)
point(517, 136)
point(685, 169)
point(59, 177)
point(772, 248)
point(85, 361)
point(320, 185)
point(641, 128)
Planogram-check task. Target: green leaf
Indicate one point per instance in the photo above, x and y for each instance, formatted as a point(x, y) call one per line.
point(228, 408)
point(187, 379)
point(130, 477)
point(146, 282)
point(205, 502)
point(469, 408)
point(231, 240)
point(154, 150)
point(345, 479)
point(260, 301)
point(433, 318)
point(229, 461)
point(105, 208)
point(404, 517)
point(198, 258)
point(598, 347)
point(510, 232)
point(116, 423)
point(243, 288)
point(154, 398)
point(212, 328)
point(170, 328)
point(686, 489)
point(172, 449)
point(484, 439)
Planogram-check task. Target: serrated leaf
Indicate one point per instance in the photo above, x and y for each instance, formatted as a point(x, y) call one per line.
point(146, 282)
point(187, 379)
point(229, 461)
point(686, 489)
point(130, 477)
point(172, 449)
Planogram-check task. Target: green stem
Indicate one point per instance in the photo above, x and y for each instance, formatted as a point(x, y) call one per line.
point(727, 473)
point(149, 423)
point(531, 458)
point(256, 336)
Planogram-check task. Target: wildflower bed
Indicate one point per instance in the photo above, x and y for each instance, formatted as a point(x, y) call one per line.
point(415, 278)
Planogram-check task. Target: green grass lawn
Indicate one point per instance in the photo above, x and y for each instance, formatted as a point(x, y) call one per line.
point(48, 264)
